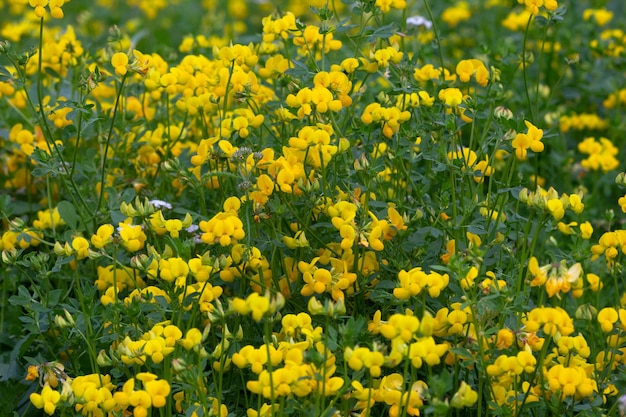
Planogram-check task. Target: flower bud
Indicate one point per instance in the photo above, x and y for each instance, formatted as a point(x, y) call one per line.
point(314, 306)
point(9, 256)
point(103, 359)
point(179, 365)
point(502, 112)
point(5, 46)
point(586, 312)
point(64, 321)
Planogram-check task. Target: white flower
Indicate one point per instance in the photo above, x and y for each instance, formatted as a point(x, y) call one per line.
point(160, 204)
point(418, 21)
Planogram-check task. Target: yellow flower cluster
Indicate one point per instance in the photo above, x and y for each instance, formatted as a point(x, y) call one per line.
point(469, 162)
point(615, 99)
point(529, 140)
point(155, 345)
point(610, 245)
point(226, 227)
point(602, 154)
point(456, 14)
point(557, 277)
point(413, 282)
point(612, 42)
point(475, 68)
point(255, 135)
point(386, 5)
point(55, 7)
point(534, 5)
point(389, 118)
point(599, 16)
point(582, 121)
point(330, 92)
point(550, 201)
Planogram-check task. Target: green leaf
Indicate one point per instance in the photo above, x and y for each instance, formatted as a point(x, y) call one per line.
point(5, 205)
point(68, 214)
point(386, 284)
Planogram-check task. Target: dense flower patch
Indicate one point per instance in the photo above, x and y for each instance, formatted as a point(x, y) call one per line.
point(374, 208)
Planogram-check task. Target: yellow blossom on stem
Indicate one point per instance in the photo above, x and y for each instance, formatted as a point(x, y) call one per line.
point(119, 60)
point(607, 317)
point(451, 97)
point(55, 7)
point(464, 397)
point(468, 68)
point(529, 140)
point(158, 390)
point(133, 237)
point(386, 5)
point(80, 245)
point(47, 400)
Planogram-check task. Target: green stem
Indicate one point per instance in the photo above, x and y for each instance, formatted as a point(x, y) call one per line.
point(78, 136)
point(525, 72)
point(437, 38)
point(88, 336)
point(47, 133)
point(107, 146)
point(268, 339)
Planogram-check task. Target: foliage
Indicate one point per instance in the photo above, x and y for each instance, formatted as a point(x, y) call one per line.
point(378, 207)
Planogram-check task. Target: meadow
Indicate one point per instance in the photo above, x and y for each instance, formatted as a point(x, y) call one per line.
point(323, 208)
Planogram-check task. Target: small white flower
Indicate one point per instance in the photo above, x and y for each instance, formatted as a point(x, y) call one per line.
point(192, 228)
point(161, 204)
point(418, 21)
point(622, 405)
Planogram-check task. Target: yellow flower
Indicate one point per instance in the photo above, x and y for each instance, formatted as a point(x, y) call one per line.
point(413, 282)
point(386, 5)
point(119, 61)
point(389, 54)
point(363, 357)
point(54, 5)
point(534, 5)
point(158, 390)
point(472, 67)
point(103, 236)
point(556, 277)
point(193, 339)
point(464, 397)
point(531, 139)
point(456, 14)
point(132, 236)
point(257, 305)
point(48, 219)
point(595, 284)
point(224, 228)
point(47, 400)
point(622, 203)
point(173, 269)
point(552, 320)
point(451, 97)
point(607, 317)
point(81, 247)
point(390, 117)
point(600, 16)
point(570, 381)
point(602, 154)
point(504, 338)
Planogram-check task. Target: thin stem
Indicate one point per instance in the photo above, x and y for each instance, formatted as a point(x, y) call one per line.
point(525, 72)
point(47, 133)
point(437, 37)
point(107, 146)
point(78, 136)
